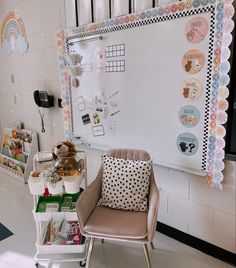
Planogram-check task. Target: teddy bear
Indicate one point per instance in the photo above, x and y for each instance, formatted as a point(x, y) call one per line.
point(63, 149)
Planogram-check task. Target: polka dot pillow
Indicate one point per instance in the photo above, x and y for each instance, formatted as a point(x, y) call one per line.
point(125, 184)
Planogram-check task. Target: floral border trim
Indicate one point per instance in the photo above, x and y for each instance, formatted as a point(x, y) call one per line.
point(219, 92)
point(219, 79)
point(65, 92)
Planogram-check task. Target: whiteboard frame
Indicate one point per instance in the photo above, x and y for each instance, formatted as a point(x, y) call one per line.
point(219, 79)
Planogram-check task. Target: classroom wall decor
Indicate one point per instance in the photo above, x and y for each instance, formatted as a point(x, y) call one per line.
point(155, 80)
point(13, 35)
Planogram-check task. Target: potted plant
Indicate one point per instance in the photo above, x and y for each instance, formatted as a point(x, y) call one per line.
point(36, 183)
point(53, 180)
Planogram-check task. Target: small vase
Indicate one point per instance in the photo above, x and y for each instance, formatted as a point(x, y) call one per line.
point(36, 185)
point(55, 188)
point(72, 183)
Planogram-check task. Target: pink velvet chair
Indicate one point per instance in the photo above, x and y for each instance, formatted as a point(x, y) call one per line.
point(114, 224)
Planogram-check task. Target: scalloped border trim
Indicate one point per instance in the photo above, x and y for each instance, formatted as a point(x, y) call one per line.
point(219, 92)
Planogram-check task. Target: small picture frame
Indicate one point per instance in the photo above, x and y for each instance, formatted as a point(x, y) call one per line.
point(81, 103)
point(98, 131)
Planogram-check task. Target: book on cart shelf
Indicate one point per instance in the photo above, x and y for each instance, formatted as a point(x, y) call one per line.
point(62, 232)
point(17, 151)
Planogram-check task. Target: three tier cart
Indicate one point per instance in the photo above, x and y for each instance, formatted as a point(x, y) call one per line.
point(50, 255)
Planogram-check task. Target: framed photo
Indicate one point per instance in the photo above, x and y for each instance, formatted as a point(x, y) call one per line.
point(98, 131)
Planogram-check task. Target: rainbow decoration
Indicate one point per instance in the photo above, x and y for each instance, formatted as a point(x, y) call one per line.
point(13, 35)
point(220, 79)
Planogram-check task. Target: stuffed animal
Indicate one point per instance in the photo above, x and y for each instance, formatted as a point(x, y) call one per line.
point(64, 149)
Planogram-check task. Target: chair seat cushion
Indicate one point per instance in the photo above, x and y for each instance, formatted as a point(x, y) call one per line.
point(117, 223)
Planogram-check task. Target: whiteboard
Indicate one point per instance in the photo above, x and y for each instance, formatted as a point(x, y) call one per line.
point(131, 90)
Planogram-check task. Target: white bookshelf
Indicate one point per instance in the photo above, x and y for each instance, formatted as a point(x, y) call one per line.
point(10, 162)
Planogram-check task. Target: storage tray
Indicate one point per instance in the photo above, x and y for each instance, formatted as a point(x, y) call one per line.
point(46, 216)
point(47, 249)
point(47, 200)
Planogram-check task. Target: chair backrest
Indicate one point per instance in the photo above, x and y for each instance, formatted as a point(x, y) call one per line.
point(130, 154)
point(153, 203)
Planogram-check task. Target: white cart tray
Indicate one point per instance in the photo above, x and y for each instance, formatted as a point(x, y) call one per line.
point(46, 216)
point(50, 249)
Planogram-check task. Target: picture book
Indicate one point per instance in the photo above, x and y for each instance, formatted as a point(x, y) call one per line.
point(17, 167)
point(63, 233)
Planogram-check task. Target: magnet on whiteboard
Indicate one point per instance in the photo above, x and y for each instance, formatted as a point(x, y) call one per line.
point(113, 104)
point(114, 94)
point(111, 127)
point(75, 82)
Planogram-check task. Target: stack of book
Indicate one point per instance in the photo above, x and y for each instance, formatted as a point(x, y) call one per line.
point(62, 233)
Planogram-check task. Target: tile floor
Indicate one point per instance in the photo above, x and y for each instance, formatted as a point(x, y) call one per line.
point(18, 251)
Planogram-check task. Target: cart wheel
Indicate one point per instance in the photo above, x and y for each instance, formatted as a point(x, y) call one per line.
point(82, 263)
point(36, 264)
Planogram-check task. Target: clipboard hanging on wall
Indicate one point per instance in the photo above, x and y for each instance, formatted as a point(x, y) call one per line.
point(177, 118)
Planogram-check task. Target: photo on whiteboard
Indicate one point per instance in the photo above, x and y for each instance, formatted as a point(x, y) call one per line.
point(189, 116)
point(196, 30)
point(192, 89)
point(115, 51)
point(111, 127)
point(98, 131)
point(75, 82)
point(187, 144)
point(193, 61)
point(96, 119)
point(81, 103)
point(115, 66)
point(100, 68)
point(86, 64)
point(86, 119)
point(99, 54)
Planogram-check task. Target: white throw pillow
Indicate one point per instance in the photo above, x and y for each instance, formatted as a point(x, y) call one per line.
point(125, 183)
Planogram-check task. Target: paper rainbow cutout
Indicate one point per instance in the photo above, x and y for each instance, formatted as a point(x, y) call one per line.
point(13, 35)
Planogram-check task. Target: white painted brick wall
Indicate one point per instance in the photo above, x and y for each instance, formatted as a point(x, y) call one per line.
point(191, 212)
point(38, 69)
point(186, 204)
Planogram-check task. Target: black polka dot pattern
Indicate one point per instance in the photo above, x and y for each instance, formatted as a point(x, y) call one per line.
point(125, 184)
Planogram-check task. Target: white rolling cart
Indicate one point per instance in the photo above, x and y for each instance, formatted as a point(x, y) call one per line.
point(50, 255)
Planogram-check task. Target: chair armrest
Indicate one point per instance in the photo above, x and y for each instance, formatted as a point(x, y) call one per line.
point(88, 200)
point(153, 208)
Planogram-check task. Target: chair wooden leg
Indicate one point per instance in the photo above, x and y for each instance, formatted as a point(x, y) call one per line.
point(147, 256)
point(90, 249)
point(152, 245)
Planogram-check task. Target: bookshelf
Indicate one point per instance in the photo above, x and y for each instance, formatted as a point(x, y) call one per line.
point(17, 151)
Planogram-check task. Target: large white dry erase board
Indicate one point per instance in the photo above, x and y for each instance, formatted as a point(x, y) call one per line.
point(147, 84)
